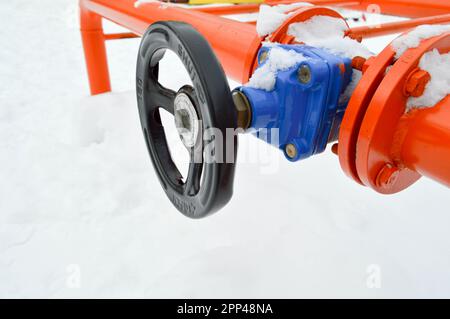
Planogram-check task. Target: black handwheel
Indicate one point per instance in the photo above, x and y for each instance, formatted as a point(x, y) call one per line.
point(202, 113)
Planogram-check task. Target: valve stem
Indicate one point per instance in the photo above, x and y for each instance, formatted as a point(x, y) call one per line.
point(243, 108)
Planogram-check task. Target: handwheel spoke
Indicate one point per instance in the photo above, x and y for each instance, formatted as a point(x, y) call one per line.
point(159, 136)
point(192, 185)
point(163, 97)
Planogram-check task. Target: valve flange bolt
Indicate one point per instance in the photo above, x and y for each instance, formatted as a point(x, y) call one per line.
point(416, 82)
point(291, 150)
point(304, 74)
point(358, 62)
point(387, 176)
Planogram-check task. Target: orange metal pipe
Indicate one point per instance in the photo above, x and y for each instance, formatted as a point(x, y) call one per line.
point(332, 3)
point(254, 7)
point(224, 10)
point(235, 43)
point(426, 145)
point(394, 27)
point(404, 8)
point(118, 36)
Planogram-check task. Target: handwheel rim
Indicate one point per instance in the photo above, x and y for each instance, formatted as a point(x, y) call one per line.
point(211, 98)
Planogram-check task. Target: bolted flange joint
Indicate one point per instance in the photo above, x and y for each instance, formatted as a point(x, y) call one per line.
point(416, 82)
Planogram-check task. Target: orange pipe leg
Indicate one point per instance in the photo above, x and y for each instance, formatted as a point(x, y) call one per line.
point(95, 51)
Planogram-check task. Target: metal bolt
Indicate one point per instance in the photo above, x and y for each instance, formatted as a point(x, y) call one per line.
point(244, 111)
point(358, 62)
point(387, 176)
point(304, 74)
point(416, 82)
point(291, 150)
point(335, 148)
point(263, 57)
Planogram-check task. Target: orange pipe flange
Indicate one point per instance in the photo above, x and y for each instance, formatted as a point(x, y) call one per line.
point(381, 137)
point(373, 73)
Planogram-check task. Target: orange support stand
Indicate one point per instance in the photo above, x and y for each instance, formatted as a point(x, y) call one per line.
point(235, 43)
point(94, 51)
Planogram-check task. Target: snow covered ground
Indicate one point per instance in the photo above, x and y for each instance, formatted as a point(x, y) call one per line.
point(83, 215)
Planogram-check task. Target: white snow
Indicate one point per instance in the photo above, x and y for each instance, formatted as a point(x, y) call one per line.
point(318, 27)
point(438, 66)
point(82, 213)
point(278, 59)
point(328, 33)
point(413, 38)
point(270, 18)
point(347, 94)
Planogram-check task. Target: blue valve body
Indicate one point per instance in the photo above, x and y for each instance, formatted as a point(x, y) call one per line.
point(306, 115)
